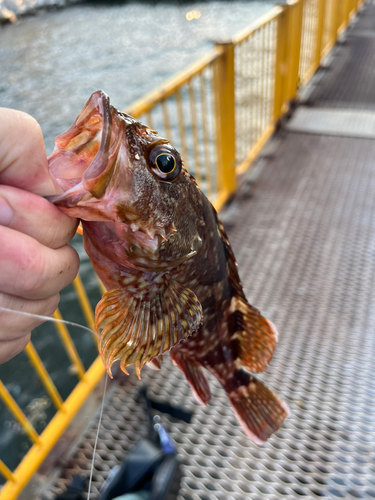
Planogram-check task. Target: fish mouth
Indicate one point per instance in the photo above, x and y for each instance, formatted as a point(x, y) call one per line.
point(83, 159)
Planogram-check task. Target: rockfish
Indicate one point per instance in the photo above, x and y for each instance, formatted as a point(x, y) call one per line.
point(162, 253)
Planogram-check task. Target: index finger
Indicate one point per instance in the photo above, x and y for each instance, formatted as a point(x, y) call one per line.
point(23, 160)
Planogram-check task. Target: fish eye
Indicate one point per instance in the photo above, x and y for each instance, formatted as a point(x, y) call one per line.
point(164, 162)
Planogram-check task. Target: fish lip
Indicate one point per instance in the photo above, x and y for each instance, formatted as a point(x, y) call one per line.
point(100, 100)
point(94, 170)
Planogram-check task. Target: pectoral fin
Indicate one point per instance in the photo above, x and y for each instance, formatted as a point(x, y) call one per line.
point(253, 335)
point(137, 327)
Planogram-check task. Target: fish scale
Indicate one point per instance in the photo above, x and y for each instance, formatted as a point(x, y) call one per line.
point(158, 246)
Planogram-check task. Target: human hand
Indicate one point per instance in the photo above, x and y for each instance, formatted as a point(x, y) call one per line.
point(35, 260)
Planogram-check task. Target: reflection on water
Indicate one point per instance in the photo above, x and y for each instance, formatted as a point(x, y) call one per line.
point(49, 66)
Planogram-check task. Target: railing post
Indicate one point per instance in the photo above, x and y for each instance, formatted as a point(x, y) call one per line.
point(281, 63)
point(344, 16)
point(336, 21)
point(355, 6)
point(347, 12)
point(319, 34)
point(288, 52)
point(295, 21)
point(225, 121)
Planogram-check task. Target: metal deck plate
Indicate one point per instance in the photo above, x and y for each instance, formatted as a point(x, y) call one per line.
point(349, 82)
point(304, 236)
point(333, 121)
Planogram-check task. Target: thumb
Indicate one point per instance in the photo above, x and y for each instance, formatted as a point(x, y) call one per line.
point(23, 160)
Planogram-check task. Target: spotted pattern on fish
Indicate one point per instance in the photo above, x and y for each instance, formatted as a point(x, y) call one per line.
point(161, 251)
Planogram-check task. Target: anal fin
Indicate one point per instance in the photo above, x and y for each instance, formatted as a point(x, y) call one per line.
point(254, 336)
point(136, 327)
point(194, 375)
point(155, 363)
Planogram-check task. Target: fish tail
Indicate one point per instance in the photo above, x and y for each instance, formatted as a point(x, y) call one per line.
point(260, 412)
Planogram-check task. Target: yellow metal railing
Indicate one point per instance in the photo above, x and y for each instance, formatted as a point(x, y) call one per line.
point(65, 410)
point(219, 113)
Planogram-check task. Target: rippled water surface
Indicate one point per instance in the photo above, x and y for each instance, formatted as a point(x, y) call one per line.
point(49, 66)
point(51, 63)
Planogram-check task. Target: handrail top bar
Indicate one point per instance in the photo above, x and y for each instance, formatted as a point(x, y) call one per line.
point(259, 23)
point(292, 2)
point(144, 104)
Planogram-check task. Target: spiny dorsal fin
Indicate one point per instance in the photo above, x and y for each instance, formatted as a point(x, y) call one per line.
point(231, 262)
point(254, 335)
point(137, 327)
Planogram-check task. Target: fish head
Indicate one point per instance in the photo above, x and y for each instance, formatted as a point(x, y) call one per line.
point(128, 185)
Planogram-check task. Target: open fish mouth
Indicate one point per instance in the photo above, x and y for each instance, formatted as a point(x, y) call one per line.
point(84, 157)
point(102, 180)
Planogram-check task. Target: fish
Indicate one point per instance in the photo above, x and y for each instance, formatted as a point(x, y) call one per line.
point(162, 253)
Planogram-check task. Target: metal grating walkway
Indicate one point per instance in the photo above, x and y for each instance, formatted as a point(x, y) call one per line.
point(349, 81)
point(304, 237)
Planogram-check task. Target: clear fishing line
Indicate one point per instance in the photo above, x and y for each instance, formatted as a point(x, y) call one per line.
point(55, 320)
point(97, 438)
point(48, 318)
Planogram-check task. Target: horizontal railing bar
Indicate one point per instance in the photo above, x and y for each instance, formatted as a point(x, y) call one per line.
point(144, 104)
point(53, 431)
point(257, 25)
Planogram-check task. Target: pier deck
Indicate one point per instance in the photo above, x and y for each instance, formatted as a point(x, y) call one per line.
point(303, 230)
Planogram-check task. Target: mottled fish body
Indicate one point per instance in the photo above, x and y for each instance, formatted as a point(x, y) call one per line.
point(162, 253)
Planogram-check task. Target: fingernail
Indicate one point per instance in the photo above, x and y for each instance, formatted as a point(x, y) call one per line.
point(6, 212)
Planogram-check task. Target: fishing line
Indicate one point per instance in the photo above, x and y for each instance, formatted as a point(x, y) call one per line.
point(96, 438)
point(48, 318)
point(55, 320)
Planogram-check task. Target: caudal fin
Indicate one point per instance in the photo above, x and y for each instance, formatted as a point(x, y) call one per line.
point(260, 412)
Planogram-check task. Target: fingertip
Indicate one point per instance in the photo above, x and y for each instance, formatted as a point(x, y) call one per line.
point(60, 265)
